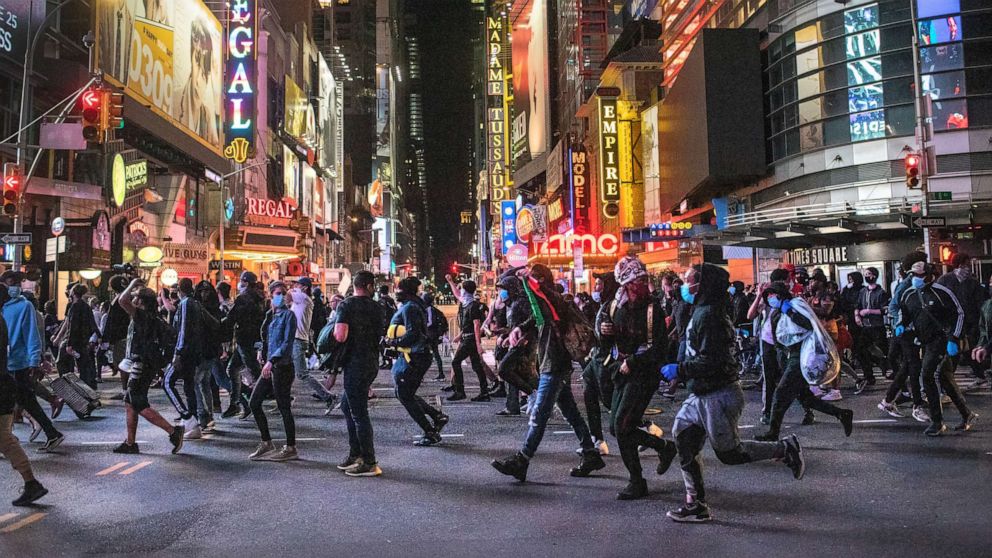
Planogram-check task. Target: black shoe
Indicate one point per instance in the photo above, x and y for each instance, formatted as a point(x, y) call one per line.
point(32, 492)
point(350, 463)
point(765, 419)
point(696, 512)
point(935, 429)
point(846, 419)
point(870, 380)
point(481, 398)
point(127, 448)
point(176, 438)
point(440, 422)
point(966, 423)
point(809, 418)
point(635, 490)
point(448, 389)
point(507, 413)
point(457, 396)
point(429, 439)
point(230, 412)
point(514, 466)
point(770, 436)
point(364, 470)
point(440, 375)
point(859, 386)
point(794, 456)
point(498, 392)
point(591, 461)
point(666, 456)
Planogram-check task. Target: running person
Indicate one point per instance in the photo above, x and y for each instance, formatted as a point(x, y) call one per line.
point(471, 314)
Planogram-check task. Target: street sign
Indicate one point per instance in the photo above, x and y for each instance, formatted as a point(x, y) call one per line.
point(54, 246)
point(940, 196)
point(58, 225)
point(928, 222)
point(19, 238)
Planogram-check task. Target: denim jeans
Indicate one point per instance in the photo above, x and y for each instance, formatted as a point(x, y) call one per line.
point(204, 395)
point(407, 377)
point(300, 348)
point(551, 389)
point(355, 405)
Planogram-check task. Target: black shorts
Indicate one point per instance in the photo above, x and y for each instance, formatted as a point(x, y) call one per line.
point(138, 383)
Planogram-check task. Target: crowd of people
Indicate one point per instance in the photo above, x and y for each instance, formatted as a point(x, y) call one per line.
point(631, 341)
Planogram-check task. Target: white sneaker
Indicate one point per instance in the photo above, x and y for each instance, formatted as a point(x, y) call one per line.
point(602, 447)
point(891, 409)
point(817, 392)
point(832, 395)
point(921, 414)
point(287, 453)
point(262, 449)
point(945, 399)
point(194, 433)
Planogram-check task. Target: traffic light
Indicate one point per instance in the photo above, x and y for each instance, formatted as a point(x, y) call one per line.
point(913, 161)
point(947, 252)
point(115, 109)
point(13, 180)
point(94, 120)
point(454, 269)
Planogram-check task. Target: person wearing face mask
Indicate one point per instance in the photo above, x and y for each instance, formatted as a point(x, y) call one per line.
point(637, 326)
point(276, 378)
point(931, 315)
point(597, 375)
point(906, 364)
point(737, 309)
point(792, 321)
point(302, 306)
point(82, 326)
point(869, 315)
point(209, 367)
point(716, 400)
point(245, 317)
point(516, 364)
point(188, 323)
point(407, 331)
point(969, 292)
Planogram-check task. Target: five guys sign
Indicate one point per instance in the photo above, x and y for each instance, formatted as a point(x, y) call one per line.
point(240, 78)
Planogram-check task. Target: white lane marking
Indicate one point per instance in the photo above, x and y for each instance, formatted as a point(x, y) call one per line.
point(562, 432)
point(113, 468)
point(8, 516)
point(24, 522)
point(743, 426)
point(444, 436)
point(137, 467)
point(874, 421)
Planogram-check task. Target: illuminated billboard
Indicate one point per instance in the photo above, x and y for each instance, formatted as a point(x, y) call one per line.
point(531, 97)
point(497, 111)
point(240, 81)
point(609, 157)
point(168, 56)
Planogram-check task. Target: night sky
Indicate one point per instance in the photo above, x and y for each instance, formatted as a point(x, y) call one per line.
point(447, 77)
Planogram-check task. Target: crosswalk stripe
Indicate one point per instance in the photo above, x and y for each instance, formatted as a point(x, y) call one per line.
point(113, 468)
point(24, 522)
point(874, 421)
point(137, 467)
point(8, 516)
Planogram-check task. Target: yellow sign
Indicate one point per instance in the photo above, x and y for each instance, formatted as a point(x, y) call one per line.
point(151, 61)
point(609, 157)
point(118, 180)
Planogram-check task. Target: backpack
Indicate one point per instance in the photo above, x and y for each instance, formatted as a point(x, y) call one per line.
point(165, 341)
point(439, 326)
point(328, 349)
point(577, 333)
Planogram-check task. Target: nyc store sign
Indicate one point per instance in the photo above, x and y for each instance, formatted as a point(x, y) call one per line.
point(240, 80)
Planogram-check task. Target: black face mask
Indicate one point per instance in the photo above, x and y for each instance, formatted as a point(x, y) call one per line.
point(871, 280)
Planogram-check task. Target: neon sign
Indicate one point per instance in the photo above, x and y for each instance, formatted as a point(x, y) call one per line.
point(579, 181)
point(592, 245)
point(497, 110)
point(240, 78)
point(508, 218)
point(609, 156)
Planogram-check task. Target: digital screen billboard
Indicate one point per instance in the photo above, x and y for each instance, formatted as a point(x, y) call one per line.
point(864, 71)
point(532, 119)
point(941, 30)
point(944, 86)
point(861, 19)
point(863, 98)
point(868, 125)
point(949, 115)
point(168, 55)
point(942, 57)
point(930, 8)
point(14, 18)
point(864, 44)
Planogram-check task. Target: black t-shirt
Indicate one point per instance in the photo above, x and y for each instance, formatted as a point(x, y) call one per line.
point(365, 326)
point(467, 314)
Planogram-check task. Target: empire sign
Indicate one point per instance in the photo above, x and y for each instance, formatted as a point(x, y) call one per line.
point(609, 156)
point(496, 113)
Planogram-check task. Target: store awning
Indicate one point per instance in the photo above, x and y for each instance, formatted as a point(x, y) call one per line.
point(327, 230)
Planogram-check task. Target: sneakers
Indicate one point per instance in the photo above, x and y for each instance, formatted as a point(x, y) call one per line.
point(194, 433)
point(126, 448)
point(287, 453)
point(507, 413)
point(36, 430)
point(793, 458)
point(57, 405)
point(635, 490)
point(231, 411)
point(429, 439)
point(966, 423)
point(260, 451)
point(32, 492)
point(765, 419)
point(481, 398)
point(696, 512)
point(808, 418)
point(176, 438)
point(665, 457)
point(514, 466)
point(920, 414)
point(846, 418)
point(53, 443)
point(457, 396)
point(935, 429)
point(440, 422)
point(590, 462)
point(817, 392)
point(364, 470)
point(448, 389)
point(350, 463)
point(891, 409)
point(832, 395)
point(859, 386)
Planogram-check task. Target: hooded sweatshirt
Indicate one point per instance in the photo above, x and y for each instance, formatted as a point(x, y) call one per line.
point(708, 364)
point(23, 341)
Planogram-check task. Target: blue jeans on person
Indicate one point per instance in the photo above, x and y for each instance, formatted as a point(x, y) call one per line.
point(355, 405)
point(300, 348)
point(551, 389)
point(204, 394)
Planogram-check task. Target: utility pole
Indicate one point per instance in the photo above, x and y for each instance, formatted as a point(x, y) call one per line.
point(223, 217)
point(922, 129)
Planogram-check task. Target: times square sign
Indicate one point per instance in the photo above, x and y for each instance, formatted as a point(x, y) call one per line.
point(240, 80)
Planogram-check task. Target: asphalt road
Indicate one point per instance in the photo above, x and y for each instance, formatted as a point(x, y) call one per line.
point(886, 491)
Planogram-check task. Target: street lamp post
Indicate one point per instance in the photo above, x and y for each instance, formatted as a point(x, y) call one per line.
point(223, 216)
point(921, 130)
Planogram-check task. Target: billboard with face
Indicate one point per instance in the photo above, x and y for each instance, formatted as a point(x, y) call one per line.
point(531, 98)
point(167, 54)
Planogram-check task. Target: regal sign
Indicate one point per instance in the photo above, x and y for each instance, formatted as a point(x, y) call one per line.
point(269, 212)
point(579, 181)
point(609, 156)
point(240, 80)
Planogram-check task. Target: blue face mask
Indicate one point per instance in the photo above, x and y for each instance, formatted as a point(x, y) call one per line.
point(597, 297)
point(732, 290)
point(774, 302)
point(686, 295)
point(918, 282)
point(277, 300)
point(14, 292)
point(504, 295)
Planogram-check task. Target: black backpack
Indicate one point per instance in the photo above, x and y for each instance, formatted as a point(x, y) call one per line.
point(165, 341)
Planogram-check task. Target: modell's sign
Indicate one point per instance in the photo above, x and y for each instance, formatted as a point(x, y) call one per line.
point(269, 212)
point(579, 174)
point(240, 80)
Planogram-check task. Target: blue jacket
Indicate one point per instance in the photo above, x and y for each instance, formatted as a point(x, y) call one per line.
point(281, 333)
point(411, 316)
point(895, 315)
point(24, 344)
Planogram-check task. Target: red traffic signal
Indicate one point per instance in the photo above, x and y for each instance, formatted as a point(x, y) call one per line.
point(13, 180)
point(946, 253)
point(92, 101)
point(912, 163)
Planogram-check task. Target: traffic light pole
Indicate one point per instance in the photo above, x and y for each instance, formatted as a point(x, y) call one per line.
point(921, 132)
